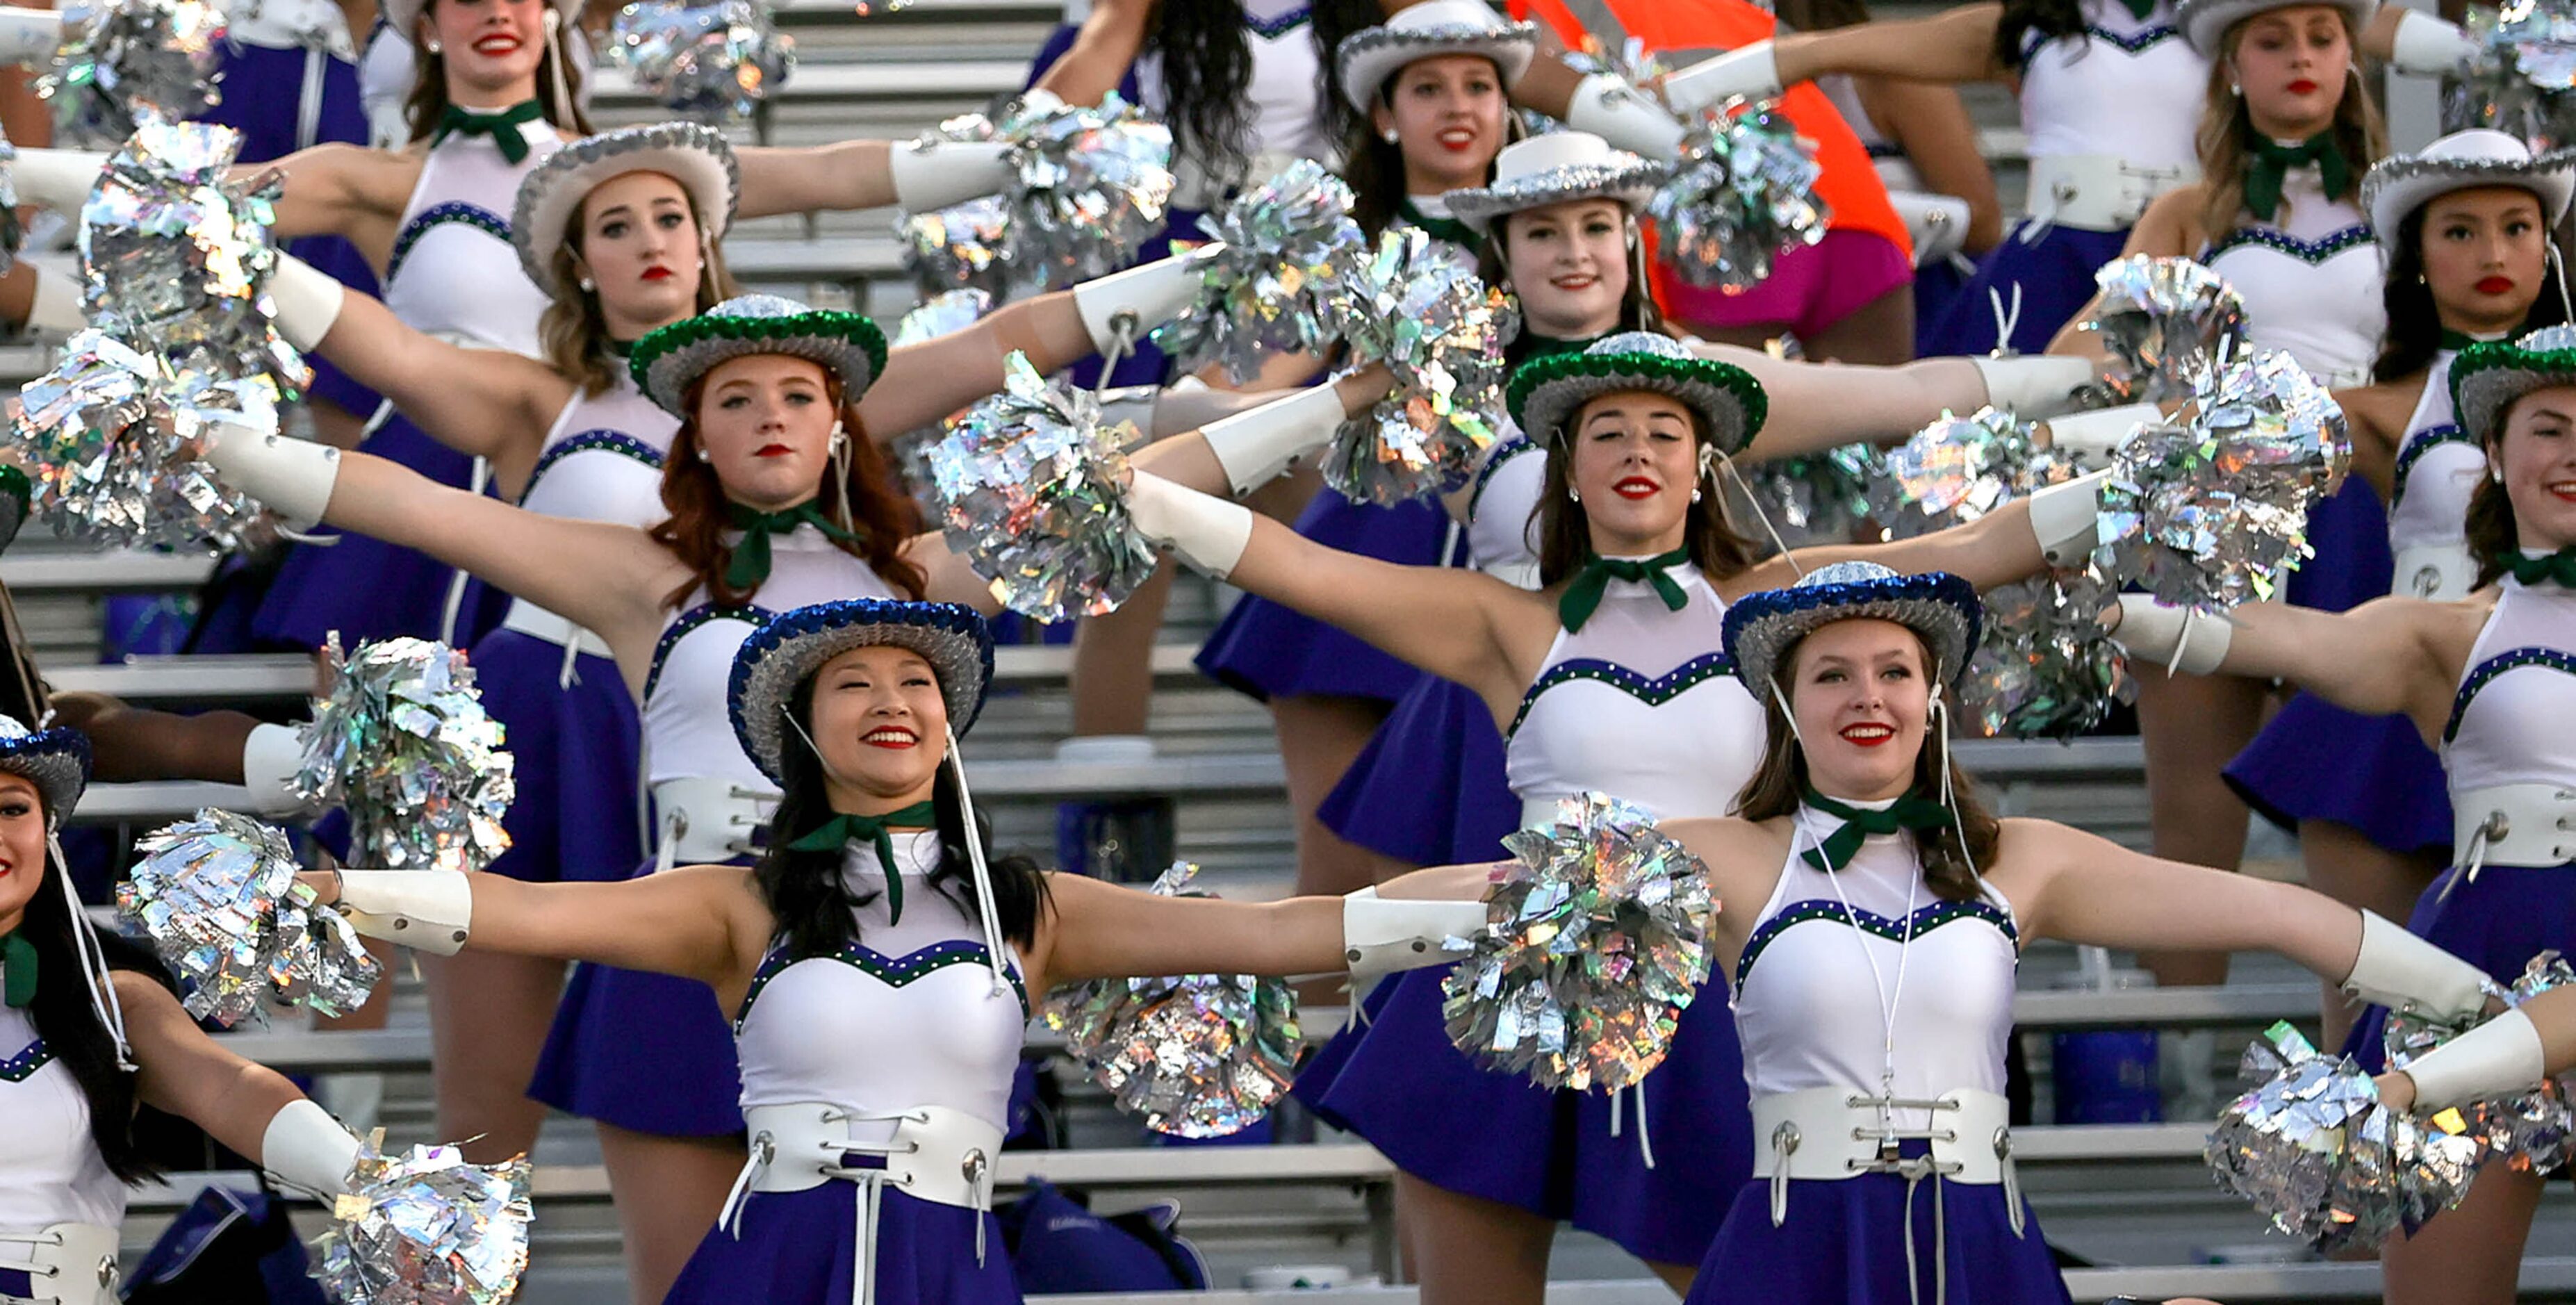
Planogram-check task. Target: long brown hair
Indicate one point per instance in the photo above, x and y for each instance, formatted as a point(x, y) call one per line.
point(1565, 530)
point(2492, 532)
point(574, 331)
point(882, 519)
point(428, 100)
point(1637, 308)
point(1950, 868)
point(2226, 126)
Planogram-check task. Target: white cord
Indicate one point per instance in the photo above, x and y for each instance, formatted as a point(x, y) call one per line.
point(983, 874)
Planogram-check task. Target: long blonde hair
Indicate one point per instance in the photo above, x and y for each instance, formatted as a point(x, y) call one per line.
point(574, 332)
point(2226, 125)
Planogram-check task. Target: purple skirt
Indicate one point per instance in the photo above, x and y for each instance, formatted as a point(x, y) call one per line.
point(1401, 1084)
point(1844, 1244)
point(1937, 285)
point(367, 589)
point(801, 1248)
point(2497, 922)
point(2349, 531)
point(2316, 761)
point(2052, 276)
point(578, 815)
point(1429, 789)
point(1266, 650)
point(650, 1053)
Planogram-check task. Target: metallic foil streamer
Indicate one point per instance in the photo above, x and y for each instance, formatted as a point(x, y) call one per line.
point(217, 895)
point(1818, 499)
point(959, 248)
point(1598, 940)
point(403, 743)
point(1417, 305)
point(2314, 1150)
point(424, 1227)
point(2528, 1130)
point(1954, 471)
point(1288, 242)
point(941, 314)
point(1033, 493)
point(1744, 193)
point(1194, 1055)
point(111, 440)
point(710, 61)
point(124, 62)
point(2210, 507)
point(1088, 189)
point(2168, 322)
point(2496, 91)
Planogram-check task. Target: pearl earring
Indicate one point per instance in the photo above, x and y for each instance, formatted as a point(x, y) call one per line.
point(1694, 495)
point(1573, 495)
point(704, 456)
point(587, 285)
point(1387, 136)
point(2496, 474)
point(2235, 90)
point(434, 47)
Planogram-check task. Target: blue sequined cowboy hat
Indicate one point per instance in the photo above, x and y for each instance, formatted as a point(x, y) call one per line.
point(1370, 55)
point(1545, 393)
point(2487, 377)
point(668, 361)
point(693, 154)
point(55, 760)
point(1941, 607)
point(1556, 168)
point(783, 653)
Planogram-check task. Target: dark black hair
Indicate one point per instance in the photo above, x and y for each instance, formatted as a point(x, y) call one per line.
point(2051, 19)
point(2414, 332)
point(1207, 73)
point(1821, 15)
point(804, 890)
point(71, 1028)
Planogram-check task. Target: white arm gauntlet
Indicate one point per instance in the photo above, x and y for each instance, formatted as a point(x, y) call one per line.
point(1752, 72)
point(292, 477)
point(56, 179)
point(56, 304)
point(305, 1148)
point(1143, 297)
point(2184, 640)
point(2427, 46)
point(2398, 970)
point(1255, 446)
point(2499, 1057)
point(2064, 517)
point(2035, 387)
point(270, 757)
point(1208, 533)
point(308, 301)
point(2092, 436)
point(1628, 118)
point(432, 910)
point(935, 174)
point(1381, 936)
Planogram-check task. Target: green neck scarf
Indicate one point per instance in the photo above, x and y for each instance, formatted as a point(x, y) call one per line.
point(502, 127)
point(17, 971)
point(2271, 164)
point(1908, 812)
point(2557, 568)
point(1440, 228)
point(845, 829)
point(2458, 340)
point(1583, 597)
point(2140, 9)
point(750, 562)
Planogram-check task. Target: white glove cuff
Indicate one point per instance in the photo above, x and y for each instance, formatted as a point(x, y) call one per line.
point(56, 179)
point(2497, 1058)
point(305, 1148)
point(292, 477)
point(56, 304)
point(1208, 533)
point(2064, 517)
point(1608, 107)
point(2428, 46)
point(1141, 298)
point(1752, 72)
point(1256, 445)
point(2035, 387)
point(2401, 971)
point(432, 910)
point(1381, 937)
point(1038, 99)
point(2186, 640)
point(932, 175)
point(29, 35)
point(308, 301)
point(270, 757)
point(2092, 436)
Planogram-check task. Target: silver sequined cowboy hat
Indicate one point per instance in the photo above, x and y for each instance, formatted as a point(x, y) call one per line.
point(1939, 606)
point(668, 361)
point(782, 654)
point(693, 154)
point(2464, 160)
point(1371, 55)
point(1545, 393)
point(1556, 168)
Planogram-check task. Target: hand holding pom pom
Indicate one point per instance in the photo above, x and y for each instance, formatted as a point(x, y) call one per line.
point(1287, 242)
point(219, 898)
point(424, 1227)
point(1422, 311)
point(2167, 322)
point(402, 741)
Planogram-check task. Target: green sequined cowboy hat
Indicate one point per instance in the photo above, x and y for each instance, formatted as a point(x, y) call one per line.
point(693, 154)
point(783, 653)
point(2464, 160)
point(668, 361)
point(1371, 55)
point(1939, 606)
point(2487, 377)
point(1545, 393)
point(1556, 168)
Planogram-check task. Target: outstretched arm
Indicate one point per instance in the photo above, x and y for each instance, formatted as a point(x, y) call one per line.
point(342, 189)
point(2508, 1054)
point(701, 922)
point(2389, 656)
point(1956, 46)
point(1820, 406)
point(189, 1074)
point(2013, 542)
point(927, 381)
point(1100, 930)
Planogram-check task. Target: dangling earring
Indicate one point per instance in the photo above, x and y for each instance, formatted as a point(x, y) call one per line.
point(1573, 495)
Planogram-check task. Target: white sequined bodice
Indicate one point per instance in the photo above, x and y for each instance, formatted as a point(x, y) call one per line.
point(2310, 281)
point(602, 461)
point(50, 1169)
point(2129, 87)
point(2510, 721)
point(454, 273)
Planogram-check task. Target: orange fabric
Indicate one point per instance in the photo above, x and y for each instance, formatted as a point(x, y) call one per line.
point(1850, 186)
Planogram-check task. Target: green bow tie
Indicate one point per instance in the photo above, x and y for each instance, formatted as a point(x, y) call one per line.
point(1440, 228)
point(2557, 568)
point(502, 127)
point(2271, 167)
point(750, 563)
point(845, 829)
point(1908, 812)
point(1583, 597)
point(1541, 346)
point(2141, 9)
point(17, 971)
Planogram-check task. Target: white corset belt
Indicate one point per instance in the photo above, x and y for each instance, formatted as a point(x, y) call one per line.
point(537, 623)
point(2098, 192)
point(928, 1153)
point(1833, 1133)
point(2514, 824)
point(2441, 572)
point(69, 1263)
point(709, 820)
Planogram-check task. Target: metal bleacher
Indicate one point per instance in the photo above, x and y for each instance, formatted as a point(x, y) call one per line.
point(2133, 1201)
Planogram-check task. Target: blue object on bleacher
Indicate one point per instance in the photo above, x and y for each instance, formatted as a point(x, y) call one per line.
point(1058, 1245)
point(226, 1246)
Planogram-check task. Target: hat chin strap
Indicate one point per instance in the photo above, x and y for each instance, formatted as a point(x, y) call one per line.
point(558, 85)
point(992, 919)
point(93, 959)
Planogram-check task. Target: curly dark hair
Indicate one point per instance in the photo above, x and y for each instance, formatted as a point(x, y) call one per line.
point(1207, 68)
point(2051, 19)
point(72, 1031)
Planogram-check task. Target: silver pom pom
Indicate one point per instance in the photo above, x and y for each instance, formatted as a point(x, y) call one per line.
point(2527, 1130)
point(403, 743)
point(111, 439)
point(1034, 496)
point(123, 63)
point(1816, 499)
point(424, 1227)
point(1197, 1055)
point(1744, 193)
point(1287, 242)
point(1418, 306)
point(941, 314)
point(218, 897)
point(2168, 321)
point(708, 61)
point(1598, 940)
point(1088, 189)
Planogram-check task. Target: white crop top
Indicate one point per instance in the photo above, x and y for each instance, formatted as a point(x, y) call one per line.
point(905, 1016)
point(2310, 281)
point(2509, 720)
point(2129, 87)
point(50, 1168)
point(453, 273)
point(602, 459)
point(1819, 1015)
point(2438, 466)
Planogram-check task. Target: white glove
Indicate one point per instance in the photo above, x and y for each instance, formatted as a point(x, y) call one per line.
point(2033, 387)
point(1752, 72)
point(1608, 107)
point(292, 477)
point(56, 179)
point(2497, 1058)
point(432, 910)
point(1255, 446)
point(308, 301)
point(306, 1149)
point(29, 35)
point(56, 305)
point(2093, 436)
point(2428, 46)
point(2064, 517)
point(1208, 533)
point(935, 174)
point(2187, 640)
point(1142, 297)
point(270, 757)
point(2401, 971)
point(1381, 936)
